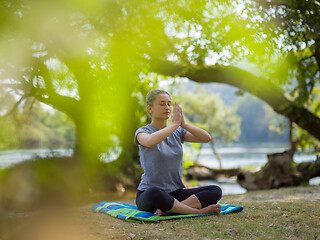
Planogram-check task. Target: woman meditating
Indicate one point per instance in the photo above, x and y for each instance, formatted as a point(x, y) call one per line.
point(161, 190)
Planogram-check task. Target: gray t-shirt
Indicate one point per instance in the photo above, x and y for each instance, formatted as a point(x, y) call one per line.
point(162, 163)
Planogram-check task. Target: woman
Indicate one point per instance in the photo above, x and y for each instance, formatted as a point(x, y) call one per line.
point(161, 190)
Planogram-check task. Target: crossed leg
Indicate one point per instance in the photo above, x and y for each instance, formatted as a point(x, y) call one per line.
point(190, 204)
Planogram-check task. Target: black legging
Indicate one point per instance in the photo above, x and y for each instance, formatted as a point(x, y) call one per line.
point(154, 198)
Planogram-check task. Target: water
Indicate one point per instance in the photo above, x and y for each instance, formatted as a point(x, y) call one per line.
point(241, 156)
point(232, 157)
point(229, 186)
point(11, 157)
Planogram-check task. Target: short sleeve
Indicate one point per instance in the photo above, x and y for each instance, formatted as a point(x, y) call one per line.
point(142, 129)
point(181, 132)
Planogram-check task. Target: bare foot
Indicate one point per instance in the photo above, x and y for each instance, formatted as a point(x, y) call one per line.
point(159, 212)
point(214, 208)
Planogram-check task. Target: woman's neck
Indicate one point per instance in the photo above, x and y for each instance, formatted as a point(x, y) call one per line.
point(159, 124)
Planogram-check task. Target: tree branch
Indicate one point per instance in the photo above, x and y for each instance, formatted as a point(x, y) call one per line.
point(65, 104)
point(317, 53)
point(248, 82)
point(15, 106)
point(272, 3)
point(49, 96)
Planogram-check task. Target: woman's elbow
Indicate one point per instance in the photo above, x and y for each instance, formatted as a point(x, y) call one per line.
point(208, 138)
point(150, 143)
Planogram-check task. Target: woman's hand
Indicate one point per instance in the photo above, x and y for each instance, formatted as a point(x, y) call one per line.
point(193, 134)
point(176, 114)
point(182, 117)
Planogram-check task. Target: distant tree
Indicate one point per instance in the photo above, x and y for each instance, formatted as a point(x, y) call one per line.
point(210, 113)
point(259, 122)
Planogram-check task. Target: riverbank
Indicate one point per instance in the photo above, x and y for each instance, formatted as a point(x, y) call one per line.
point(288, 213)
point(243, 156)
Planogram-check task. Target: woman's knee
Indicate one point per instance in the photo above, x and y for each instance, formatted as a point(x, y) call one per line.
point(216, 190)
point(160, 198)
point(211, 195)
point(146, 200)
point(154, 193)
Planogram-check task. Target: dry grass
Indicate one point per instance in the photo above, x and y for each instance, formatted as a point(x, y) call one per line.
point(289, 213)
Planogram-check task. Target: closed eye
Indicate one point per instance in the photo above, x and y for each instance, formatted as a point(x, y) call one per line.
point(163, 103)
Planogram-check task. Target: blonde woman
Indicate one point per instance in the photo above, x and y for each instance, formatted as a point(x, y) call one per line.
point(161, 190)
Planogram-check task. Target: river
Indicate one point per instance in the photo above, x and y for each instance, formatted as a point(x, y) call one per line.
point(232, 157)
point(11, 157)
point(254, 155)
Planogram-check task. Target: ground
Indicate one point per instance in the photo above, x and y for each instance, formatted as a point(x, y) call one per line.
point(287, 213)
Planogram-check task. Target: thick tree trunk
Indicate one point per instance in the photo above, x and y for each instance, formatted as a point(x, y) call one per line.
point(246, 81)
point(279, 172)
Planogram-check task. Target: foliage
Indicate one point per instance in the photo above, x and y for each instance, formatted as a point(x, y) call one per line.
point(83, 59)
point(293, 27)
point(90, 59)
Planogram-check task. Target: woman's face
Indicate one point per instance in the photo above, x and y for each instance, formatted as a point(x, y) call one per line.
point(161, 107)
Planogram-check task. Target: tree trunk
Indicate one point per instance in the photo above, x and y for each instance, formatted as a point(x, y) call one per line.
point(279, 172)
point(317, 52)
point(292, 138)
point(216, 153)
point(261, 88)
point(198, 155)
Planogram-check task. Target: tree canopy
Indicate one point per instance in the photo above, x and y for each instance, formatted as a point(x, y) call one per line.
point(93, 59)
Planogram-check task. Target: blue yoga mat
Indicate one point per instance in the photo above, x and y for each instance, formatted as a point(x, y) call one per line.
point(132, 213)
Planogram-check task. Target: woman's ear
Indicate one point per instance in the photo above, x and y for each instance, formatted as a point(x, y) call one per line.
point(149, 109)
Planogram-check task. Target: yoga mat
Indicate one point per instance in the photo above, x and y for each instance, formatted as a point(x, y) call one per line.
point(129, 212)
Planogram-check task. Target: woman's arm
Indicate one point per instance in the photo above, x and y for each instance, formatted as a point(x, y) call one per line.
point(150, 140)
point(194, 134)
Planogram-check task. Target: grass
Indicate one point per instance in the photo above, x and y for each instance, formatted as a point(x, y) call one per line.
point(288, 213)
